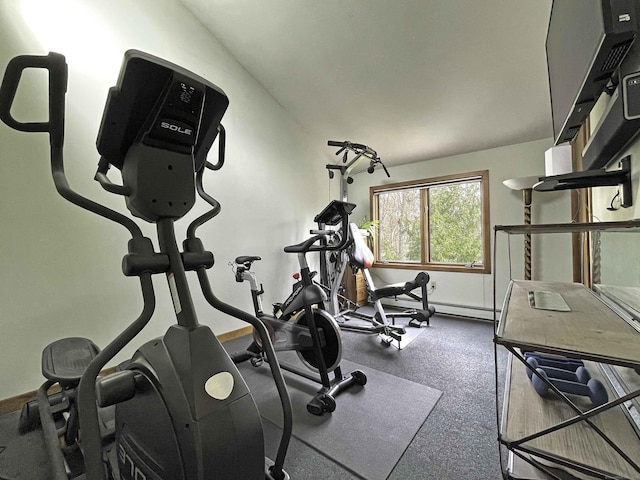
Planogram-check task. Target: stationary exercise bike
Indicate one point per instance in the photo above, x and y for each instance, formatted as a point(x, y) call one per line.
point(182, 410)
point(301, 323)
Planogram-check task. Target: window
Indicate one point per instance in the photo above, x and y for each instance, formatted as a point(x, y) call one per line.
point(437, 223)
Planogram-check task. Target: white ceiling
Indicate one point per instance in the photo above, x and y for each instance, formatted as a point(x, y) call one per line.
point(413, 79)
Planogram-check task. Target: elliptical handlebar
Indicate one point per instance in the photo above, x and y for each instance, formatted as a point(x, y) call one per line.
point(56, 65)
point(58, 74)
point(216, 208)
point(222, 141)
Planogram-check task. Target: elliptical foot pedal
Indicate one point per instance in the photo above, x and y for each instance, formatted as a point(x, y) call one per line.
point(65, 360)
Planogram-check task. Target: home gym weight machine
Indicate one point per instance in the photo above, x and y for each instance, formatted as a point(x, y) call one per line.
point(331, 263)
point(182, 410)
point(332, 267)
point(301, 323)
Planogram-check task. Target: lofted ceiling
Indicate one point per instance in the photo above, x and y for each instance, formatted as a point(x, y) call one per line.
point(413, 79)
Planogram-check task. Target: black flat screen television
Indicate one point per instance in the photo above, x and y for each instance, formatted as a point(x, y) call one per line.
point(586, 41)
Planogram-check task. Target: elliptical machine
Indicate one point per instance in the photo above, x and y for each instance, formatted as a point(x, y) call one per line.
point(301, 323)
point(182, 410)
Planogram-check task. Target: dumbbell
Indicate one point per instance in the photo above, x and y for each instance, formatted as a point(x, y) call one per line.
point(556, 362)
point(580, 375)
point(594, 389)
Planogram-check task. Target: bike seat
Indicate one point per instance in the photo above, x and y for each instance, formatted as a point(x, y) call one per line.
point(65, 360)
point(246, 259)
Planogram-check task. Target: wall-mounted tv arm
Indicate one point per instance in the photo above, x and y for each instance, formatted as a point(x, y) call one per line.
point(346, 166)
point(593, 178)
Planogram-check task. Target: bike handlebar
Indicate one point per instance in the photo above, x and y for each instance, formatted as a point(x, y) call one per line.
point(307, 245)
point(304, 246)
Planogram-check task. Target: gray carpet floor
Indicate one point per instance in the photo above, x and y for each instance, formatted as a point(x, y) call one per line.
point(369, 447)
point(458, 439)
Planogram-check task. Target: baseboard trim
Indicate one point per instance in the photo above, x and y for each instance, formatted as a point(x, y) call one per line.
point(13, 404)
point(241, 332)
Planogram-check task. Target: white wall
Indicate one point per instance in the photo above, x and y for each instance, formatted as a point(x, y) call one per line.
point(551, 258)
point(61, 265)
